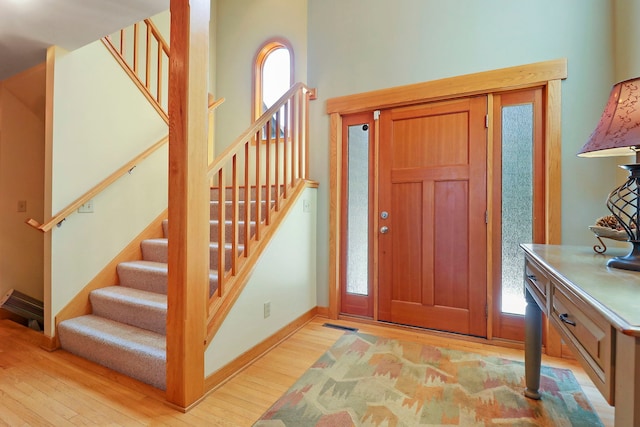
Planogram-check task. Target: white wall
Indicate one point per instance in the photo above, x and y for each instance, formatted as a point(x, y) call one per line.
point(22, 178)
point(100, 121)
point(627, 39)
point(213, 55)
point(285, 276)
point(242, 27)
point(361, 45)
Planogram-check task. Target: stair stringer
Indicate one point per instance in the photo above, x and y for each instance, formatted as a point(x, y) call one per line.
point(284, 275)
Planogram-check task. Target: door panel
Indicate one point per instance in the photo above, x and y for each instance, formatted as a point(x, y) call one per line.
point(450, 227)
point(432, 261)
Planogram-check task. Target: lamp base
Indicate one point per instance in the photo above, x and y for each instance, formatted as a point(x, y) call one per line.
point(629, 262)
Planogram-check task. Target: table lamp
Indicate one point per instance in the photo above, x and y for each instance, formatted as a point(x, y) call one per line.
point(618, 134)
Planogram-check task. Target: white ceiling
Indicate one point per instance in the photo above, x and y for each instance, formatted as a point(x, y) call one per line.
point(28, 27)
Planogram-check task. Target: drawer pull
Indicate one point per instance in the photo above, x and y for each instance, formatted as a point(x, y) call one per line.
point(564, 317)
point(532, 277)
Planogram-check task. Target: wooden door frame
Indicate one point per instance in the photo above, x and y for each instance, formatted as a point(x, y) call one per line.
point(511, 326)
point(360, 306)
point(547, 74)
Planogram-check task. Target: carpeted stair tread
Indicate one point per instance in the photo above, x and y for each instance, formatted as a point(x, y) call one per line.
point(143, 309)
point(213, 229)
point(157, 250)
point(213, 209)
point(214, 191)
point(152, 276)
point(144, 275)
point(135, 352)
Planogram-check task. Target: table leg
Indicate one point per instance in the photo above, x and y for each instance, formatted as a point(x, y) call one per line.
point(532, 347)
point(627, 380)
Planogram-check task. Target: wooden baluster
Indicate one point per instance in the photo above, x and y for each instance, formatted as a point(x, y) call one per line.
point(159, 74)
point(247, 191)
point(294, 140)
point(258, 170)
point(307, 98)
point(277, 162)
point(135, 48)
point(221, 222)
point(147, 80)
point(285, 148)
point(121, 49)
point(234, 215)
point(300, 141)
point(267, 173)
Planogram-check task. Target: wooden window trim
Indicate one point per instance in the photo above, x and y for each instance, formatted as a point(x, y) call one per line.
point(258, 63)
point(519, 77)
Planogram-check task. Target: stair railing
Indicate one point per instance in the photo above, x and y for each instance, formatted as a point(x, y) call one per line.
point(101, 186)
point(270, 159)
point(150, 75)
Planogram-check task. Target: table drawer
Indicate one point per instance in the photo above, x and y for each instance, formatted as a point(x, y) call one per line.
point(588, 335)
point(537, 282)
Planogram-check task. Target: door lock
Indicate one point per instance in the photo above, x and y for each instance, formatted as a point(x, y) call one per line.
point(384, 214)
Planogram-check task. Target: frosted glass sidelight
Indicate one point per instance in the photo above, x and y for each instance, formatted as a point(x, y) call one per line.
point(517, 200)
point(358, 211)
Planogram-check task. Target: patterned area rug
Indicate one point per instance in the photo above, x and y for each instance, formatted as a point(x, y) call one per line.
point(365, 380)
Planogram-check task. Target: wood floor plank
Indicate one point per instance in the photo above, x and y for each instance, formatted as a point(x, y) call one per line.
point(72, 391)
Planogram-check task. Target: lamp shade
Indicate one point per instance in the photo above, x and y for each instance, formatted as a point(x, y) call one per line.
point(618, 130)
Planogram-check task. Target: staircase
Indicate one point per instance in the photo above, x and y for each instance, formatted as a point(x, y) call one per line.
point(126, 329)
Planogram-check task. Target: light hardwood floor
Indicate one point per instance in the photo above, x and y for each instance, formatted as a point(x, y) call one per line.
point(38, 388)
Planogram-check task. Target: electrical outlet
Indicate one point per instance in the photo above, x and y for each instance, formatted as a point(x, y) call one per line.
point(267, 309)
point(306, 206)
point(22, 205)
point(86, 207)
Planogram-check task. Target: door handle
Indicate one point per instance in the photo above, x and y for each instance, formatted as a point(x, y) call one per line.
point(384, 229)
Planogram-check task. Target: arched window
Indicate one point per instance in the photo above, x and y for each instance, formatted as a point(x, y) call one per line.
point(272, 74)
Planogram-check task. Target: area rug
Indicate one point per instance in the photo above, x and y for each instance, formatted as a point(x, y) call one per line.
point(364, 380)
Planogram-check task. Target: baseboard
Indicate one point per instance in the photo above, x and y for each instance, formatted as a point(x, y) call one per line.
point(323, 311)
point(49, 343)
point(236, 366)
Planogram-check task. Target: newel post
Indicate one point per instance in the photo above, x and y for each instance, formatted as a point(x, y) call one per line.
point(188, 201)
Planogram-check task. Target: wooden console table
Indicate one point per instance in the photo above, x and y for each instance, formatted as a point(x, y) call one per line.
point(596, 309)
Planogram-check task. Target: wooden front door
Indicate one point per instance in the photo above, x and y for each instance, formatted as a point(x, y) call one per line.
point(432, 192)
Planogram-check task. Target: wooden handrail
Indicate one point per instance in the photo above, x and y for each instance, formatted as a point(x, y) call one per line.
point(214, 103)
point(63, 214)
point(71, 208)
